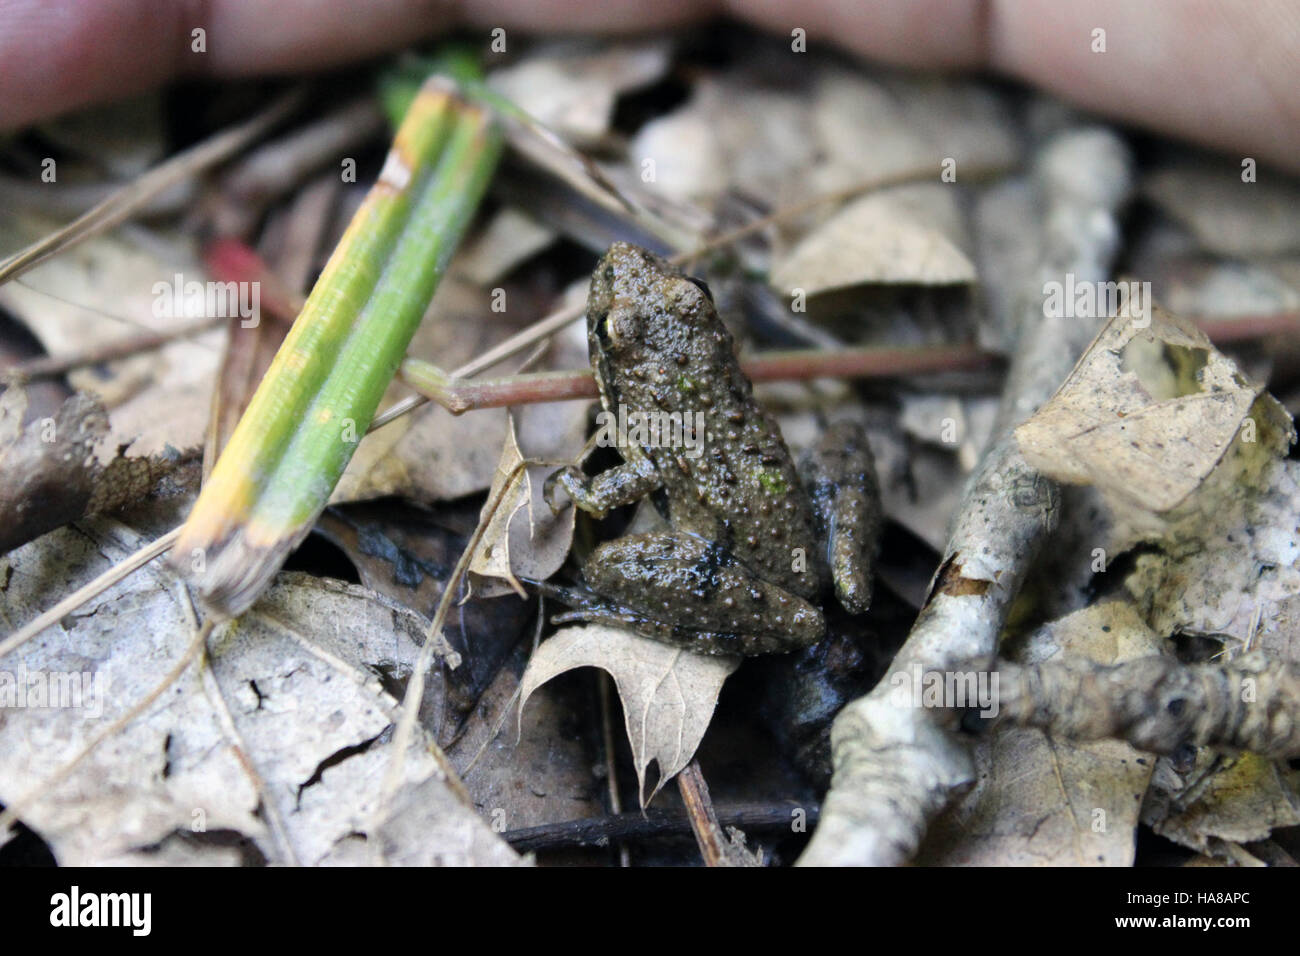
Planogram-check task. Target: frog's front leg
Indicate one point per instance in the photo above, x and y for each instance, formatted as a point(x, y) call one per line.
point(600, 494)
point(840, 477)
point(682, 589)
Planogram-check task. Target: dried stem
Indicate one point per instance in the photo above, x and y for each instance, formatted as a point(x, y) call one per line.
point(699, 809)
point(49, 366)
point(89, 591)
point(126, 201)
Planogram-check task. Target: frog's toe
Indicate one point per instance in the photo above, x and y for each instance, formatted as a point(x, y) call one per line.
point(549, 487)
point(842, 484)
point(854, 590)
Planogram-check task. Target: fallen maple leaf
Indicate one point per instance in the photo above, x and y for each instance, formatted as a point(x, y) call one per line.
point(668, 694)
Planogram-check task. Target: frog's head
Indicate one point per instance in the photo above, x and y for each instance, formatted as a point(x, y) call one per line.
point(640, 305)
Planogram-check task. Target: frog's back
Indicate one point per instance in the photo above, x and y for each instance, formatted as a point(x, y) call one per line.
point(671, 355)
point(750, 489)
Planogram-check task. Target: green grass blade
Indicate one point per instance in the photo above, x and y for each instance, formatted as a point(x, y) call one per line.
point(320, 393)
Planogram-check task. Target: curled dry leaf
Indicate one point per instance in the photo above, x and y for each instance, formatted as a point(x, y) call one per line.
point(64, 467)
point(1148, 414)
point(668, 694)
point(523, 538)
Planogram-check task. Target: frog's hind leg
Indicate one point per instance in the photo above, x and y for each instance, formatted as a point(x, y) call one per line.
point(682, 590)
point(700, 642)
point(589, 607)
point(677, 635)
point(840, 477)
point(685, 590)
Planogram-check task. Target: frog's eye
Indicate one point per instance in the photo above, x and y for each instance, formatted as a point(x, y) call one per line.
point(615, 329)
point(602, 330)
point(701, 285)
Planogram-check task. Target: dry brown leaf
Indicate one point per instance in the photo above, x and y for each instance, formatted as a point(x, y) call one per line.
point(863, 132)
point(755, 136)
point(908, 234)
point(573, 90)
point(668, 694)
point(1228, 216)
point(730, 135)
point(101, 292)
point(1148, 414)
point(875, 127)
point(295, 678)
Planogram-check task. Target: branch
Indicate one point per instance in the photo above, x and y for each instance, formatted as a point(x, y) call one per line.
point(896, 767)
point(1160, 705)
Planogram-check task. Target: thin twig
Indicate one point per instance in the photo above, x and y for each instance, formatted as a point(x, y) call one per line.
point(704, 820)
point(48, 366)
point(89, 591)
point(15, 809)
point(512, 346)
point(135, 195)
point(459, 395)
point(650, 824)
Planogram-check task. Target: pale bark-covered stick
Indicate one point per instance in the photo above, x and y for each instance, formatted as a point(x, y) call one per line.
point(896, 766)
point(1160, 705)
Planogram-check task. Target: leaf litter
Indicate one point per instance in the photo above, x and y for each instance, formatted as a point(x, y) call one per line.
point(280, 737)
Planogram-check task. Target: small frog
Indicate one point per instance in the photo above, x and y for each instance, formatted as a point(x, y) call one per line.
point(750, 548)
